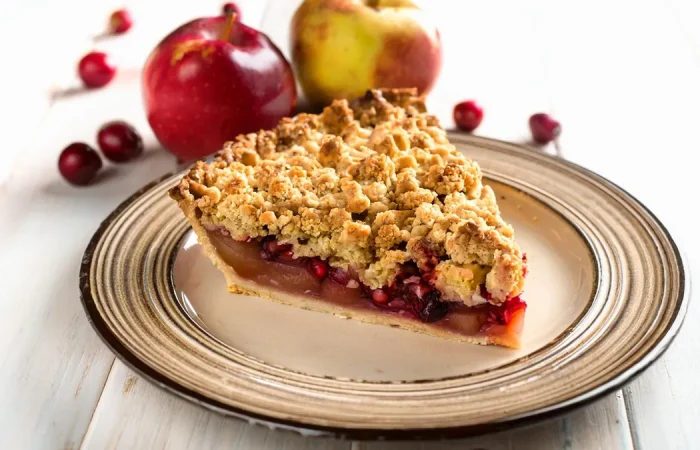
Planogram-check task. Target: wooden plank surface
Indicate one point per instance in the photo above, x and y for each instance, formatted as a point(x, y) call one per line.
point(133, 414)
point(625, 90)
point(139, 415)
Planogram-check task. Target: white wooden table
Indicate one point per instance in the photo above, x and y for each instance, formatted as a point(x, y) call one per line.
point(623, 77)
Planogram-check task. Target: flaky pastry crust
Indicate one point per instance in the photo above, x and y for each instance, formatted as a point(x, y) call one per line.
point(368, 185)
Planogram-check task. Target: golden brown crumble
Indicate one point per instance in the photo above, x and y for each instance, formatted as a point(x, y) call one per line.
point(367, 184)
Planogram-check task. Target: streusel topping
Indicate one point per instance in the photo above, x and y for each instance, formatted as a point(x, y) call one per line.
point(368, 185)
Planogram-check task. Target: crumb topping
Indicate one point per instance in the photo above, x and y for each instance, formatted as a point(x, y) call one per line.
point(369, 185)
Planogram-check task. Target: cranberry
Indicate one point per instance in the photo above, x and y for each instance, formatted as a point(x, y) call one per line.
point(120, 21)
point(379, 296)
point(417, 299)
point(318, 268)
point(286, 256)
point(96, 70)
point(273, 247)
point(544, 128)
point(433, 309)
point(340, 276)
point(272, 250)
point(397, 303)
point(79, 164)
point(511, 307)
point(231, 8)
point(278, 248)
point(468, 115)
point(119, 141)
point(484, 292)
point(503, 313)
point(424, 302)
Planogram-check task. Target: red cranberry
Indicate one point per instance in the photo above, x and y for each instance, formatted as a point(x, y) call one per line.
point(231, 8)
point(433, 309)
point(79, 164)
point(273, 247)
point(503, 313)
point(544, 128)
point(120, 21)
point(286, 256)
point(340, 276)
point(96, 70)
point(379, 296)
point(271, 250)
point(318, 268)
point(512, 305)
point(468, 115)
point(484, 292)
point(119, 141)
point(278, 248)
point(397, 303)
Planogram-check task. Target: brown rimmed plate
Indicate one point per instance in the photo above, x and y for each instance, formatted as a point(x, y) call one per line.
point(607, 292)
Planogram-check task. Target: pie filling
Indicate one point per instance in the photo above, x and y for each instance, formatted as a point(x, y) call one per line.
point(269, 263)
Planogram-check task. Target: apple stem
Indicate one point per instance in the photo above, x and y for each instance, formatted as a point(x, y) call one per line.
point(372, 3)
point(230, 18)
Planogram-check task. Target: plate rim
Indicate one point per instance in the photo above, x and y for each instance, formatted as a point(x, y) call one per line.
point(452, 432)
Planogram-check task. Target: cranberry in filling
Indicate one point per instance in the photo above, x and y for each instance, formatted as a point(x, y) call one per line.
point(411, 294)
point(502, 314)
point(318, 268)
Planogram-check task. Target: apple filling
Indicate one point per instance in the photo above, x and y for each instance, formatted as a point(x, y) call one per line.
point(412, 295)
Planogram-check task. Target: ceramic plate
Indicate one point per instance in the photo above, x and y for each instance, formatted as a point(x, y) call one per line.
point(606, 290)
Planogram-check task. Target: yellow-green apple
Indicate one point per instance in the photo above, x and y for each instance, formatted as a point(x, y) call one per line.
point(341, 48)
point(212, 79)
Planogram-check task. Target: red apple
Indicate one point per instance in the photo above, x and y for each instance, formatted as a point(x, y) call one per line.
point(211, 80)
point(341, 48)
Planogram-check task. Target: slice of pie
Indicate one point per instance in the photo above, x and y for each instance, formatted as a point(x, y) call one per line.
point(365, 211)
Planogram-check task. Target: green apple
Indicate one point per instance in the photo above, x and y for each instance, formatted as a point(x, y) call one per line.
point(341, 48)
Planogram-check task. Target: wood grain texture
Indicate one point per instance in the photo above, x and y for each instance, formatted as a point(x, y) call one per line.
point(601, 426)
point(133, 414)
point(51, 357)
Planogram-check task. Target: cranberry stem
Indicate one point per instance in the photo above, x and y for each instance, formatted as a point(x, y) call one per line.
point(230, 18)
